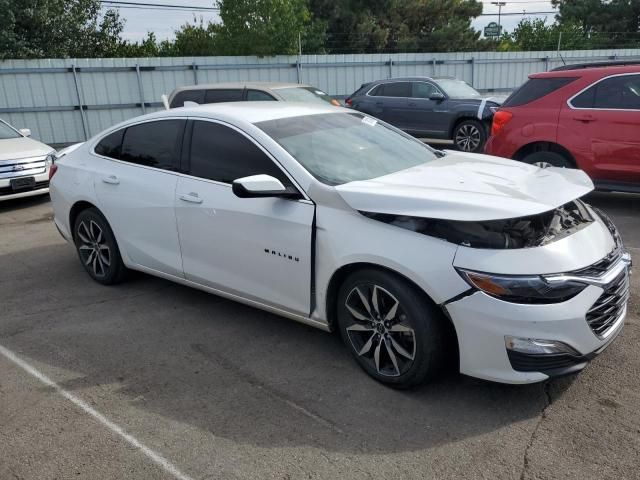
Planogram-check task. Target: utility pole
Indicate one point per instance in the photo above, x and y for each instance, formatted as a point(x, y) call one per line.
point(499, 5)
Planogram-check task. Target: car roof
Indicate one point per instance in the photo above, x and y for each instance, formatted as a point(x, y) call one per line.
point(257, 85)
point(252, 112)
point(581, 71)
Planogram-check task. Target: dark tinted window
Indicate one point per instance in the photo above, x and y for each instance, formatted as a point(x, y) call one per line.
point(155, 144)
point(196, 96)
point(585, 99)
point(397, 89)
point(110, 145)
point(376, 91)
point(617, 93)
point(222, 154)
point(535, 88)
point(422, 90)
point(223, 95)
point(258, 96)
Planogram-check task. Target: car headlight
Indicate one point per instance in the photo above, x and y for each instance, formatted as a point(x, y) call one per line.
point(522, 288)
point(50, 160)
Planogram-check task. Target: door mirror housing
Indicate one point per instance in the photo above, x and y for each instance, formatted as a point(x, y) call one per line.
point(437, 96)
point(257, 186)
point(25, 131)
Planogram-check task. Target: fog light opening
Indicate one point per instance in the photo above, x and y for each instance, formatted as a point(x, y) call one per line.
point(536, 346)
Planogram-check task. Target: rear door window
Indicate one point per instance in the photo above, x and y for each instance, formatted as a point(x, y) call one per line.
point(111, 145)
point(397, 89)
point(223, 95)
point(258, 96)
point(154, 144)
point(536, 88)
point(196, 96)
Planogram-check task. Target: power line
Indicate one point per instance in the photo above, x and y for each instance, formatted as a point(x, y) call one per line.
point(156, 6)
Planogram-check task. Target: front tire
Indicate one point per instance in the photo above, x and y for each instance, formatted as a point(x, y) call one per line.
point(391, 329)
point(97, 248)
point(470, 136)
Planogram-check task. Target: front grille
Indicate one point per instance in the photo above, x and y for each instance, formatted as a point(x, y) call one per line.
point(523, 362)
point(22, 167)
point(610, 305)
point(11, 191)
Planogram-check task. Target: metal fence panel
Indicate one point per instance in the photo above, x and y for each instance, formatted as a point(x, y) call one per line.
point(69, 100)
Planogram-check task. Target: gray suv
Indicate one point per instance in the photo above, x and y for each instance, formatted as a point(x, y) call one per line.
point(439, 108)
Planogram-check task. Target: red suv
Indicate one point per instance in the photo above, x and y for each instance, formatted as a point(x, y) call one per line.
point(577, 116)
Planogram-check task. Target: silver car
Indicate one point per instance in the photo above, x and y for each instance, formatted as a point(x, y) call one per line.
point(247, 92)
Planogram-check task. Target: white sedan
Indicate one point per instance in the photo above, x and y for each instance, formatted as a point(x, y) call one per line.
point(340, 221)
point(24, 163)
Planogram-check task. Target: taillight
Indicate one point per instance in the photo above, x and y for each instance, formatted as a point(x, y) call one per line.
point(52, 171)
point(348, 102)
point(500, 119)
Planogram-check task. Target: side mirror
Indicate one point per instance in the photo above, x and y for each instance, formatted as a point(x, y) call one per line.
point(257, 186)
point(437, 96)
point(25, 131)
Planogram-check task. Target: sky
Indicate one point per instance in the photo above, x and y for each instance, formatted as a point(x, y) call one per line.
point(164, 22)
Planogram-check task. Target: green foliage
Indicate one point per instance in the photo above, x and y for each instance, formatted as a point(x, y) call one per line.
point(57, 28)
point(535, 34)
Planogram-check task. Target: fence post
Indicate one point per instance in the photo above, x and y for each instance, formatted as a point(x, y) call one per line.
point(80, 103)
point(546, 63)
point(390, 67)
point(433, 62)
point(473, 71)
point(194, 67)
point(140, 89)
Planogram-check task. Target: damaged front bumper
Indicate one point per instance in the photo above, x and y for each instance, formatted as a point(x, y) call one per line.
point(512, 342)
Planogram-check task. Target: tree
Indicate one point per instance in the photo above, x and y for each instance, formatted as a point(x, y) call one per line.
point(57, 28)
point(535, 34)
point(609, 23)
point(261, 27)
point(398, 25)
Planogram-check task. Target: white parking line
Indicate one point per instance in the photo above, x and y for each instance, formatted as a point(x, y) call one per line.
point(156, 458)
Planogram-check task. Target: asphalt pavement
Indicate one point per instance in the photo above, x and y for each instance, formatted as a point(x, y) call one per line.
point(153, 380)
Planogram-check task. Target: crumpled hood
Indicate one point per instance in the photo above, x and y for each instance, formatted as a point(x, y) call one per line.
point(22, 147)
point(468, 187)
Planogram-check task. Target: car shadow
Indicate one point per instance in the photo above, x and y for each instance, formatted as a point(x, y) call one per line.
point(237, 372)
point(17, 204)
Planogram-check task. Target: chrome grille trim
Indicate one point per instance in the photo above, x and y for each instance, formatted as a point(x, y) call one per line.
point(22, 167)
point(610, 306)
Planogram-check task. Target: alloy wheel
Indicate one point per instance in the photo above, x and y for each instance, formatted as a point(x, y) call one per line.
point(94, 251)
point(468, 138)
point(380, 332)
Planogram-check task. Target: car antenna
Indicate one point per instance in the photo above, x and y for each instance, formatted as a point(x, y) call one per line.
point(559, 54)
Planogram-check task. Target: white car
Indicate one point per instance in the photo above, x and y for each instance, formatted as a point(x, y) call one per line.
point(24, 163)
point(340, 221)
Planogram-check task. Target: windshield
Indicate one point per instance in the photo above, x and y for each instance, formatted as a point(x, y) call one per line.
point(7, 132)
point(303, 94)
point(457, 88)
point(338, 148)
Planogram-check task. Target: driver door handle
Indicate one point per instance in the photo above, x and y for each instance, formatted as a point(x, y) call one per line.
point(191, 197)
point(111, 180)
point(586, 118)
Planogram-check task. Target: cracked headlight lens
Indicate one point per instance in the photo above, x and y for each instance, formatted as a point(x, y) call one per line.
point(522, 288)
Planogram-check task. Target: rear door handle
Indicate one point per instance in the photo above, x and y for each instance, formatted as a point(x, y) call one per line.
point(190, 197)
point(584, 118)
point(111, 180)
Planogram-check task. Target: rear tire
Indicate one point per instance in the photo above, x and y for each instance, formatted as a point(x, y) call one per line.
point(547, 159)
point(470, 136)
point(391, 329)
point(97, 248)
